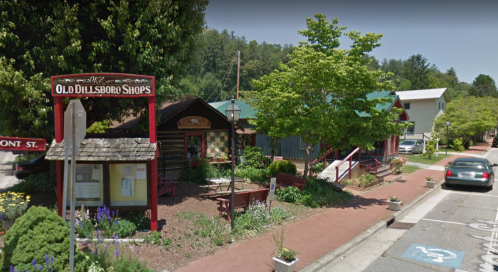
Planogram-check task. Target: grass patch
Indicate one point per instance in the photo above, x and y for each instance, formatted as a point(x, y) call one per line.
point(419, 158)
point(409, 168)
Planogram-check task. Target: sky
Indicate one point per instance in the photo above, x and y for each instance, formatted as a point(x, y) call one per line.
point(460, 34)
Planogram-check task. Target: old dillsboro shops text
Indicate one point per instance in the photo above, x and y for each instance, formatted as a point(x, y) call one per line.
point(118, 90)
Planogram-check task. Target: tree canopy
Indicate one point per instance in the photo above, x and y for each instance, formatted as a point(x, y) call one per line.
point(468, 116)
point(483, 85)
point(321, 94)
point(40, 39)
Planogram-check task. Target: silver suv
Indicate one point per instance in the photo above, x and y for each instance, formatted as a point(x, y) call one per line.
point(411, 147)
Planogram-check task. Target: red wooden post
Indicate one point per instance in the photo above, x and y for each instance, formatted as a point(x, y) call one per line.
point(59, 136)
point(153, 164)
point(350, 163)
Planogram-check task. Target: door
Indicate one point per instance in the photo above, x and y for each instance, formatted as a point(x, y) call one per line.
point(194, 147)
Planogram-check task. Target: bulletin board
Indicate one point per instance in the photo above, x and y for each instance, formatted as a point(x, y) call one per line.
point(128, 184)
point(88, 185)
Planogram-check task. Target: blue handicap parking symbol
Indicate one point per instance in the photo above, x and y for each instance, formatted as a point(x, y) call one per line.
point(434, 255)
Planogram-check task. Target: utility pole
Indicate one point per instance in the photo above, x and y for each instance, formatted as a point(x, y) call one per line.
point(238, 72)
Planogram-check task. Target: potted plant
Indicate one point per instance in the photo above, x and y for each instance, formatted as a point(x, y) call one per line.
point(430, 182)
point(398, 162)
point(394, 203)
point(285, 258)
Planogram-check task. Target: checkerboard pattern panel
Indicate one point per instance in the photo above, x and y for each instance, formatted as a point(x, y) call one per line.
point(217, 143)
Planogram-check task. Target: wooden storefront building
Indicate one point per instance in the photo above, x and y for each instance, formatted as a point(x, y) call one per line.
point(188, 130)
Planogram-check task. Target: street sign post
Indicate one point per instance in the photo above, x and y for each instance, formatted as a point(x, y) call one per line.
point(74, 133)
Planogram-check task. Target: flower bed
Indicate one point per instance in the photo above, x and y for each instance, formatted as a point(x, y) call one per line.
point(362, 183)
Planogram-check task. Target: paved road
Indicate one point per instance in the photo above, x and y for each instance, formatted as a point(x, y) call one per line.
point(7, 179)
point(441, 233)
point(449, 233)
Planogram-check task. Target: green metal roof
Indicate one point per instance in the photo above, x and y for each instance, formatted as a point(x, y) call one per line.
point(245, 109)
point(380, 106)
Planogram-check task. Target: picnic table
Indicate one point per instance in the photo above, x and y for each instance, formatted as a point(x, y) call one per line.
point(219, 185)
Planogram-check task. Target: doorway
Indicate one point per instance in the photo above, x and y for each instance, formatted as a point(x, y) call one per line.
point(194, 147)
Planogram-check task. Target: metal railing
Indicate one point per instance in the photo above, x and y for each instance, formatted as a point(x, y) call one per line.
point(350, 158)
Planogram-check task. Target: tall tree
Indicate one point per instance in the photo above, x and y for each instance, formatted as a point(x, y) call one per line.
point(321, 94)
point(483, 85)
point(45, 38)
point(416, 70)
point(468, 117)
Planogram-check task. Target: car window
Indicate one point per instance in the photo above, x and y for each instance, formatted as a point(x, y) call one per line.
point(37, 157)
point(469, 164)
point(407, 143)
point(419, 142)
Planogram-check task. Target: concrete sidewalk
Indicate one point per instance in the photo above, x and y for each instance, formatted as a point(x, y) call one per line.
point(324, 236)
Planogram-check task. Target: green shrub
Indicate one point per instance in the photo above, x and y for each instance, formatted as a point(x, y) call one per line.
point(362, 181)
point(40, 183)
point(289, 194)
point(285, 166)
point(258, 217)
point(154, 238)
point(317, 193)
point(128, 264)
point(199, 173)
point(125, 228)
point(318, 167)
point(251, 174)
point(457, 145)
point(254, 157)
point(139, 218)
point(37, 233)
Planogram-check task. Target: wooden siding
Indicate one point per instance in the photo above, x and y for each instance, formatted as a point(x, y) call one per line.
point(289, 148)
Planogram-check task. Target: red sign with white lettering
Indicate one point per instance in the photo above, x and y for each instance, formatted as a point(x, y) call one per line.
point(23, 144)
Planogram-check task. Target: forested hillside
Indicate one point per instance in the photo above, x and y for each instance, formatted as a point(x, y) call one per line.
point(212, 75)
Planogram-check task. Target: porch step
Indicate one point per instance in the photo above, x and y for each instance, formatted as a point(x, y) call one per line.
point(383, 171)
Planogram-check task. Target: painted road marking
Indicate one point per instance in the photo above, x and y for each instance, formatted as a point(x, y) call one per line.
point(474, 194)
point(435, 220)
point(434, 255)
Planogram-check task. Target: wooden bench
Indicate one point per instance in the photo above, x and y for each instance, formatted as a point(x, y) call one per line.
point(241, 200)
point(284, 180)
point(166, 185)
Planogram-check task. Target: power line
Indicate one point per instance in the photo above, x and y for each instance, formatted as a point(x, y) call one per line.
point(225, 77)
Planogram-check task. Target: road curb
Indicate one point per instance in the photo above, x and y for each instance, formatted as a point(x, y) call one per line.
point(322, 263)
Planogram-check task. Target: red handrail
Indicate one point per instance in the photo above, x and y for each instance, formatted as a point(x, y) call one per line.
point(350, 158)
point(324, 157)
point(376, 161)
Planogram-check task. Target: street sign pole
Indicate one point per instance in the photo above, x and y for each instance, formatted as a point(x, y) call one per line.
point(74, 133)
point(73, 177)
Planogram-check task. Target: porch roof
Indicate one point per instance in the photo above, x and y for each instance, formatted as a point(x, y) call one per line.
point(116, 149)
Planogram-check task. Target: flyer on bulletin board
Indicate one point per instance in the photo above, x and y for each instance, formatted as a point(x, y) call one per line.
point(140, 171)
point(126, 170)
point(127, 187)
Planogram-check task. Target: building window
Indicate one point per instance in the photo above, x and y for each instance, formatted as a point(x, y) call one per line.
point(411, 130)
point(407, 106)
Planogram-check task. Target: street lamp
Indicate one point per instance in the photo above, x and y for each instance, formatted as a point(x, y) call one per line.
point(232, 112)
point(447, 136)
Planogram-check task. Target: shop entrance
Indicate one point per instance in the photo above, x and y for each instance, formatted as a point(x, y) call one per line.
point(194, 147)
